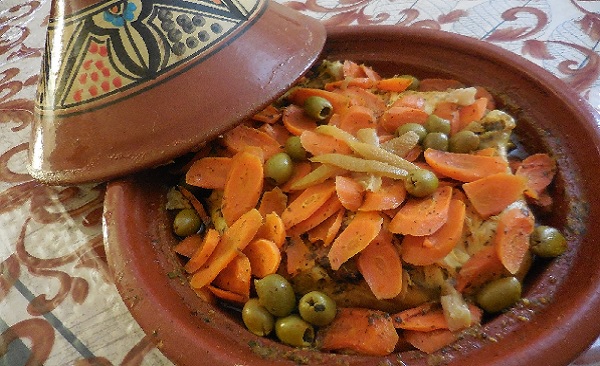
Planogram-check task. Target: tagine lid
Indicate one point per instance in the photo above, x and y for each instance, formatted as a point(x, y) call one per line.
point(129, 84)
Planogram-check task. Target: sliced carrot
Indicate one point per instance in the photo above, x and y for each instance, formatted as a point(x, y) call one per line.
point(464, 167)
point(451, 112)
point(234, 239)
point(318, 143)
point(328, 229)
point(425, 317)
point(482, 267)
point(264, 257)
point(473, 112)
point(410, 100)
point(225, 294)
point(209, 172)
point(273, 201)
point(362, 82)
point(198, 206)
point(242, 136)
point(276, 131)
point(243, 186)
point(484, 93)
point(338, 101)
point(272, 229)
point(395, 84)
point(515, 225)
point(301, 169)
point(268, 115)
point(349, 192)
point(423, 216)
point(432, 341)
point(188, 245)
point(363, 97)
point(388, 197)
point(296, 121)
point(236, 276)
point(398, 116)
point(381, 266)
point(366, 331)
point(363, 228)
point(307, 203)
point(203, 251)
point(329, 208)
point(355, 118)
point(492, 194)
point(299, 257)
point(539, 170)
point(426, 250)
point(437, 84)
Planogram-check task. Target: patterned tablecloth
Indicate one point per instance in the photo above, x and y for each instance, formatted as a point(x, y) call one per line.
point(58, 305)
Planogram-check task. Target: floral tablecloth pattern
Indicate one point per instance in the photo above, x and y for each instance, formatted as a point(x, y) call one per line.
point(58, 304)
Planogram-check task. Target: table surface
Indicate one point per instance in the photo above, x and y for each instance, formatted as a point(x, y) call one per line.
point(58, 304)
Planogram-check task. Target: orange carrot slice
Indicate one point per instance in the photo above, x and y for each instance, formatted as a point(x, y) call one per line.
point(242, 136)
point(425, 317)
point(381, 266)
point(410, 100)
point(366, 331)
point(198, 206)
point(209, 172)
point(473, 112)
point(398, 116)
point(264, 257)
point(273, 201)
point(483, 266)
point(272, 229)
point(432, 341)
point(307, 203)
point(299, 257)
point(355, 118)
point(268, 115)
point(424, 216)
point(301, 169)
point(450, 111)
point(188, 246)
point(362, 82)
point(395, 84)
point(318, 143)
point(234, 239)
point(236, 276)
point(492, 194)
point(205, 248)
point(243, 186)
point(223, 294)
point(349, 192)
point(328, 229)
point(515, 225)
point(363, 97)
point(426, 250)
point(329, 208)
point(388, 197)
point(464, 167)
point(438, 84)
point(539, 170)
point(296, 121)
point(363, 228)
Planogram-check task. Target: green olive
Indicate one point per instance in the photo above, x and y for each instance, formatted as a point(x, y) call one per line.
point(436, 140)
point(279, 167)
point(547, 241)
point(294, 331)
point(464, 141)
point(276, 294)
point(317, 308)
point(414, 127)
point(257, 318)
point(186, 222)
point(318, 108)
point(294, 148)
point(499, 294)
point(421, 182)
point(437, 124)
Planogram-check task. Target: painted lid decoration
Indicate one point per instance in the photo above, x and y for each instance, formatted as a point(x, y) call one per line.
point(130, 84)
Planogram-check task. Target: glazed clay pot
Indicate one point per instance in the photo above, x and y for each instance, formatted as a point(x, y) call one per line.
point(130, 85)
point(556, 324)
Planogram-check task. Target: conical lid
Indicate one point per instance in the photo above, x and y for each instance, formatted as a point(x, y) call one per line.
point(131, 84)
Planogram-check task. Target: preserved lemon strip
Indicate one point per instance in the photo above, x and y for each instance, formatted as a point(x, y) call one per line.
point(361, 165)
point(367, 151)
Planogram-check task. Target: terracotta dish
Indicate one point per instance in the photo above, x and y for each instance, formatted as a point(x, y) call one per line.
point(564, 294)
point(130, 85)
